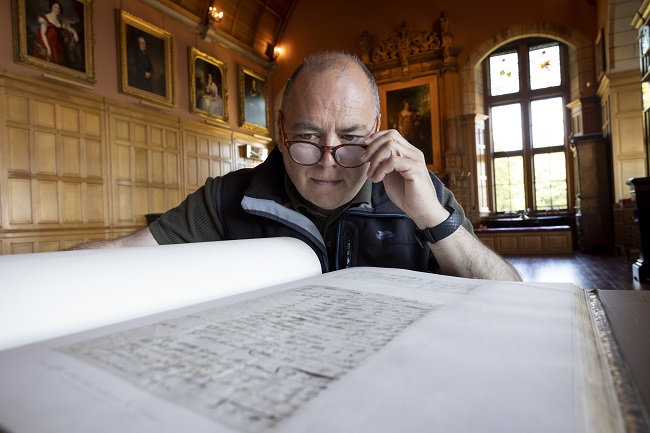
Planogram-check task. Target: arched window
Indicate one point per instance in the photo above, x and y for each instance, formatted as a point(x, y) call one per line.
point(527, 92)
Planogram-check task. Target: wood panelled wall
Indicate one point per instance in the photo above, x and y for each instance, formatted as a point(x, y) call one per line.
point(76, 167)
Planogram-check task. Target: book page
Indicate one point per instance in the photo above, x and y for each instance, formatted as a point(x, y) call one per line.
point(364, 349)
point(45, 295)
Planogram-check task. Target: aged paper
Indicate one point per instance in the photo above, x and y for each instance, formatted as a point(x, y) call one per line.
point(253, 364)
point(364, 349)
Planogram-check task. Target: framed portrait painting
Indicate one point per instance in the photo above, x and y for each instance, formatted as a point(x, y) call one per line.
point(146, 60)
point(56, 37)
point(253, 101)
point(412, 109)
point(208, 86)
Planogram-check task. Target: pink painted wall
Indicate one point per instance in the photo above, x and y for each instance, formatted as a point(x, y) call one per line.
point(106, 62)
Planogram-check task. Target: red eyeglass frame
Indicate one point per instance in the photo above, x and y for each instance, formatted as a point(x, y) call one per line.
point(323, 149)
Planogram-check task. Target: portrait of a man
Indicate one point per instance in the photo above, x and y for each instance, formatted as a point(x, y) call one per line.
point(146, 61)
point(254, 101)
point(143, 67)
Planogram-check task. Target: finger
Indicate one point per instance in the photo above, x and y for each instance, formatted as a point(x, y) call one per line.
point(380, 138)
point(381, 154)
point(394, 140)
point(391, 152)
point(387, 161)
point(380, 165)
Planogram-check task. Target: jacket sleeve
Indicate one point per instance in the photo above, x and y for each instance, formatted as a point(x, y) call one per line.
point(446, 198)
point(450, 200)
point(194, 220)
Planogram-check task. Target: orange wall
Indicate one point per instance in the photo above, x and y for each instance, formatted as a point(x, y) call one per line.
point(314, 25)
point(337, 24)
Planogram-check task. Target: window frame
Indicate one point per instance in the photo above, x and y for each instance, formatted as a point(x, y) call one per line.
point(525, 97)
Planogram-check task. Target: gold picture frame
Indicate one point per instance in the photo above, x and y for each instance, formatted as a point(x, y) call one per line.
point(208, 86)
point(600, 55)
point(253, 101)
point(63, 50)
point(146, 60)
point(419, 121)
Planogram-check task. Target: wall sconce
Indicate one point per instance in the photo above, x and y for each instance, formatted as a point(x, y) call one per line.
point(214, 17)
point(273, 52)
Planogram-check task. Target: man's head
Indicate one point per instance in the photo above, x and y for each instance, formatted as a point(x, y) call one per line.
point(330, 99)
point(142, 43)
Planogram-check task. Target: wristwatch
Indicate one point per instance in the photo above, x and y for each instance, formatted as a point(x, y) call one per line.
point(442, 230)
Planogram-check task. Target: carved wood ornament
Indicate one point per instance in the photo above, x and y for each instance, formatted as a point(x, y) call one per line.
point(403, 42)
point(407, 46)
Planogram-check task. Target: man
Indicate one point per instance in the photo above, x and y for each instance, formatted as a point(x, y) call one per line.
point(358, 196)
point(143, 67)
point(255, 105)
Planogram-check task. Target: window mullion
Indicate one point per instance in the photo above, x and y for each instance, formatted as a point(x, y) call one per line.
point(527, 127)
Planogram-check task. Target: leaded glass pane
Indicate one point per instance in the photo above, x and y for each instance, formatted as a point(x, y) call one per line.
point(509, 184)
point(550, 181)
point(547, 117)
point(506, 128)
point(544, 62)
point(504, 74)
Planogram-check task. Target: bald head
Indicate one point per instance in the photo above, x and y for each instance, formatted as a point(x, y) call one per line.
point(338, 62)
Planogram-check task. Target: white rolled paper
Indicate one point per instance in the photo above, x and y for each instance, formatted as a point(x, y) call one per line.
point(46, 295)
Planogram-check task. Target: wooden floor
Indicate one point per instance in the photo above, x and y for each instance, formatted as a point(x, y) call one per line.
point(589, 271)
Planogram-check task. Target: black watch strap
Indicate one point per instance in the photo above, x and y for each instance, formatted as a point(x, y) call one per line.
point(442, 230)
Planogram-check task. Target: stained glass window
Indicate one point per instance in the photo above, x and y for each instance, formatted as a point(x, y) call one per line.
point(527, 127)
point(504, 74)
point(544, 66)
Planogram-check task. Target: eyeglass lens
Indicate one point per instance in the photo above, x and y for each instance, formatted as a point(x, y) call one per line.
point(309, 154)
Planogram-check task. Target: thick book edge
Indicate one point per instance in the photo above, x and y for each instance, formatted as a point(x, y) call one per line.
point(614, 405)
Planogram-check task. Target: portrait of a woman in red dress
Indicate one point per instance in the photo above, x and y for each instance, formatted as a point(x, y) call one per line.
point(55, 39)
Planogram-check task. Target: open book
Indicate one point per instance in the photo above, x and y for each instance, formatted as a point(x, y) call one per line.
point(248, 336)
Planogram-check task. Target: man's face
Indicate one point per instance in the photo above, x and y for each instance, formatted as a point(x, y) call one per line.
point(142, 44)
point(327, 108)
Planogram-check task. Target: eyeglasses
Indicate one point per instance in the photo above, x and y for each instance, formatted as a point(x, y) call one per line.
point(346, 155)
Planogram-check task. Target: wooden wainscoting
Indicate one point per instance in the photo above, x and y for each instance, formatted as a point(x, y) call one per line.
point(528, 240)
point(209, 152)
point(53, 159)
point(76, 167)
point(145, 164)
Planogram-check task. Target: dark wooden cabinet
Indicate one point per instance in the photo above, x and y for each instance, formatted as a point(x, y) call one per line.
point(593, 177)
point(626, 232)
point(640, 192)
point(641, 22)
